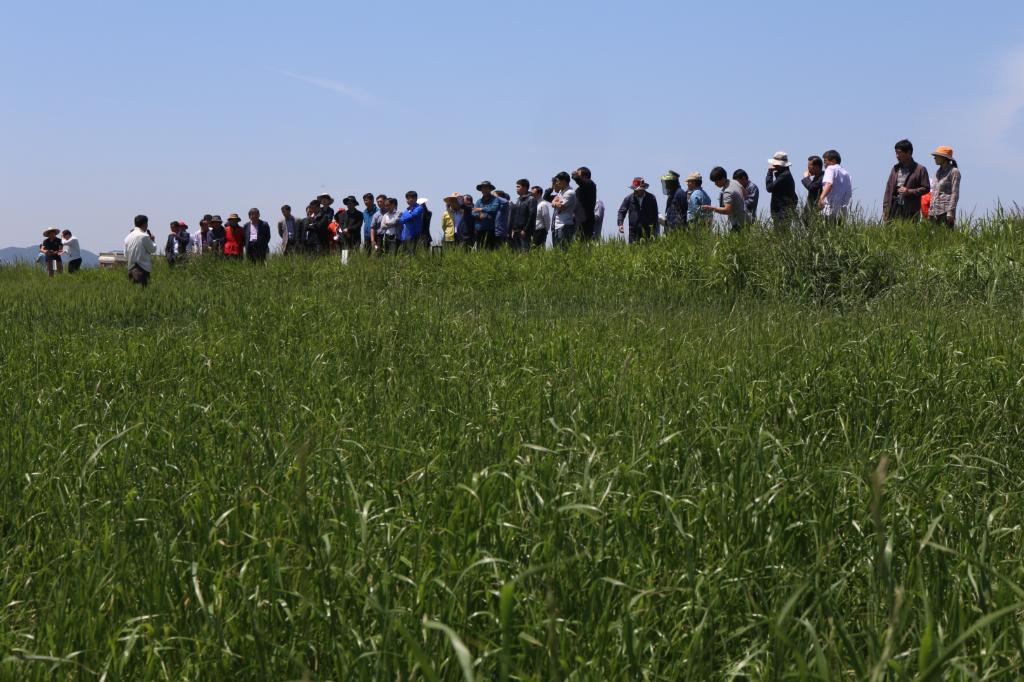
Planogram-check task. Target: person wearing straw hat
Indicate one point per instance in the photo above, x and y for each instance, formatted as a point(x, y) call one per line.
point(946, 192)
point(52, 248)
point(695, 198)
point(451, 219)
point(234, 237)
point(781, 185)
point(642, 209)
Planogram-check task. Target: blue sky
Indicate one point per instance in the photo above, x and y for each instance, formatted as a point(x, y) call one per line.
point(178, 109)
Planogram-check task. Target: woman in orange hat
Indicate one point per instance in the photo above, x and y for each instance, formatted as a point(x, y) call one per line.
point(946, 192)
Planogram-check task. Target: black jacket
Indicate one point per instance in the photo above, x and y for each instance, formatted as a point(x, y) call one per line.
point(262, 243)
point(586, 194)
point(782, 187)
point(524, 214)
point(813, 185)
point(640, 214)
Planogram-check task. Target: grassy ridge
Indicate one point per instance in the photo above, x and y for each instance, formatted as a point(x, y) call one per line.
point(753, 455)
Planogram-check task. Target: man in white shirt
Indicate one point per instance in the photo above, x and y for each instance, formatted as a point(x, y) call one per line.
point(138, 250)
point(390, 226)
point(544, 216)
point(72, 252)
point(836, 187)
point(564, 203)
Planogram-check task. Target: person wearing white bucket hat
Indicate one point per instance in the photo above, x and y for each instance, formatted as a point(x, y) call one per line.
point(781, 185)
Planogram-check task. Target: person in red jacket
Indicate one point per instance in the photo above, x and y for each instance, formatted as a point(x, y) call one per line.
point(234, 237)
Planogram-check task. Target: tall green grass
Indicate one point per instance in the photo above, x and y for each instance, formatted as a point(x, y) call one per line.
point(754, 456)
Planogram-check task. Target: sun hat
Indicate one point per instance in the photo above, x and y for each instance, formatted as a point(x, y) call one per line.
point(639, 183)
point(234, 216)
point(779, 159)
point(453, 195)
point(944, 152)
point(350, 199)
point(671, 175)
point(216, 220)
point(325, 195)
point(485, 183)
point(49, 230)
point(695, 177)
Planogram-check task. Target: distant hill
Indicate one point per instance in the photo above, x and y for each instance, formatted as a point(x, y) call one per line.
point(12, 254)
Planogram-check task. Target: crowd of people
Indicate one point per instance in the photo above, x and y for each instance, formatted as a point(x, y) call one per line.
point(527, 220)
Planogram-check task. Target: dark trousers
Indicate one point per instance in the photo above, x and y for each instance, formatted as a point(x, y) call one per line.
point(521, 241)
point(137, 275)
point(539, 239)
point(638, 232)
point(586, 232)
point(485, 239)
point(256, 254)
point(74, 265)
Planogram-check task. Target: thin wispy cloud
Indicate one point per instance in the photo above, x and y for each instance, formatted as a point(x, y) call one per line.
point(1000, 113)
point(334, 86)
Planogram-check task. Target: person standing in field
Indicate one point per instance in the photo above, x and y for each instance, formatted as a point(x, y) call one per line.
point(946, 194)
point(523, 216)
point(376, 231)
point(351, 224)
point(695, 198)
point(288, 230)
point(812, 182)
point(234, 237)
point(836, 188)
point(586, 195)
point(642, 209)
point(731, 200)
point(368, 215)
point(564, 202)
point(174, 248)
point(451, 219)
point(675, 202)
point(751, 194)
point(781, 185)
point(257, 237)
point(390, 228)
point(138, 250)
point(218, 235)
point(485, 213)
point(542, 225)
point(72, 251)
point(907, 183)
point(598, 220)
point(411, 221)
point(52, 248)
point(465, 235)
point(501, 218)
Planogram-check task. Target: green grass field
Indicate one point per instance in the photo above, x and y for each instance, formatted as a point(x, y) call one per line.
point(752, 457)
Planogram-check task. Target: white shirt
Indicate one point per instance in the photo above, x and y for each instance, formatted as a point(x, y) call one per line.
point(71, 249)
point(138, 249)
point(565, 215)
point(838, 199)
point(544, 209)
point(389, 223)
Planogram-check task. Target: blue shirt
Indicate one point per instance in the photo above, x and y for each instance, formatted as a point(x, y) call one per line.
point(501, 219)
point(367, 221)
point(698, 198)
point(412, 223)
point(485, 221)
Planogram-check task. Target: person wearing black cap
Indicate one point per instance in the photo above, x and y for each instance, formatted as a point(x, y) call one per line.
point(350, 224)
point(485, 213)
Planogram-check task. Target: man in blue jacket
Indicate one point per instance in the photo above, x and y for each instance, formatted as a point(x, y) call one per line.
point(411, 221)
point(257, 237)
